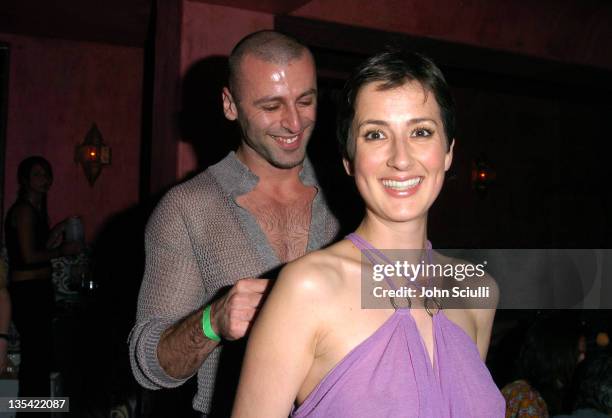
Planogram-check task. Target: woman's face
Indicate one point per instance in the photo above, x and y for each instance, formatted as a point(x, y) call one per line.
point(400, 150)
point(40, 179)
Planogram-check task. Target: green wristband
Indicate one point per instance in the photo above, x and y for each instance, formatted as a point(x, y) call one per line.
point(207, 327)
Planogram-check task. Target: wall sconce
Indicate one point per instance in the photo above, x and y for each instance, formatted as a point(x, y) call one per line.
point(92, 154)
point(483, 175)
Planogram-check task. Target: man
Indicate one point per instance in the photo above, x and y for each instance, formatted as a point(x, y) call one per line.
point(239, 220)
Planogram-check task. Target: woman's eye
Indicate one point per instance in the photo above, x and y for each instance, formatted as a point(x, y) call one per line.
point(377, 134)
point(422, 132)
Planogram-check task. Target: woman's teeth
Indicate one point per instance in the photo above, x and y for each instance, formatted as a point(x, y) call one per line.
point(402, 185)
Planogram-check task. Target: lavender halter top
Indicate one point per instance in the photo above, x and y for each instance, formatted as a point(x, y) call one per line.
point(390, 375)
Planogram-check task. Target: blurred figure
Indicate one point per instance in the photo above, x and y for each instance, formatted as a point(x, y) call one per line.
point(594, 388)
point(31, 245)
point(5, 316)
point(549, 355)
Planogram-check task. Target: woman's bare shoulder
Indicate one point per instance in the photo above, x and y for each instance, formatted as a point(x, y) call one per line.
point(320, 273)
point(21, 212)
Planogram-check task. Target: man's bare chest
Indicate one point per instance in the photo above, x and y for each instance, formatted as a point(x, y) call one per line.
point(284, 223)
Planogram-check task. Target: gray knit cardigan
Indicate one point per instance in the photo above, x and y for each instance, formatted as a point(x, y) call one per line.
point(198, 241)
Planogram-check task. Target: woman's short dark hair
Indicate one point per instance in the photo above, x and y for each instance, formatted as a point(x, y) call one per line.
point(393, 68)
point(25, 168)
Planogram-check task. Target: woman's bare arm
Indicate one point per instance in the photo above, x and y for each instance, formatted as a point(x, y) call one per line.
point(24, 220)
point(484, 319)
point(282, 344)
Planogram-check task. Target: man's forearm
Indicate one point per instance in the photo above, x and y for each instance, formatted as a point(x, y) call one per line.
point(183, 347)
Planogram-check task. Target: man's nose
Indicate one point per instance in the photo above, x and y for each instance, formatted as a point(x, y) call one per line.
point(291, 120)
point(400, 156)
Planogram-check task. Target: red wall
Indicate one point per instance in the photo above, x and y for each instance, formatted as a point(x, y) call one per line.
point(57, 90)
point(565, 30)
point(212, 30)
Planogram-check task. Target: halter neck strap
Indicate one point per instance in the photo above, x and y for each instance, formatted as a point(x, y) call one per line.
point(374, 255)
point(362, 244)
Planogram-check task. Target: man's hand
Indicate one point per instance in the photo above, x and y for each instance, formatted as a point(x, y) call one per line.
point(232, 314)
point(183, 347)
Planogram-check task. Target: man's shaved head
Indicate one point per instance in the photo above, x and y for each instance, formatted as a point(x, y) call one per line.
point(266, 45)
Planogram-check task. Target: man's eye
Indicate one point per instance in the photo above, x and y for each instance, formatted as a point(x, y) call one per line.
point(305, 103)
point(270, 108)
point(377, 134)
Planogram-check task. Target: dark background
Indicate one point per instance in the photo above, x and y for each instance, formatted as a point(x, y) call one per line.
point(541, 126)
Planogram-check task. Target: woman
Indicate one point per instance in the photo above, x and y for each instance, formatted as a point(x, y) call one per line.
point(31, 245)
point(313, 346)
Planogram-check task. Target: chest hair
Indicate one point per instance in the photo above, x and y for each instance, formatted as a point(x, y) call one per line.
point(284, 222)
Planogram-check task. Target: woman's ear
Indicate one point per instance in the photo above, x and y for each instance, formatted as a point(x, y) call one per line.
point(348, 166)
point(448, 158)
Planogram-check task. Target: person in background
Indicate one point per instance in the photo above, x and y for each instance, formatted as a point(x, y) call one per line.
point(552, 349)
point(593, 397)
point(31, 245)
point(5, 315)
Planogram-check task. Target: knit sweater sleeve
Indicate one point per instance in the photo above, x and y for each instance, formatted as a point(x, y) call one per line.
point(171, 289)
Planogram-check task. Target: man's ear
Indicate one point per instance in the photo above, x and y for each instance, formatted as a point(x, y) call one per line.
point(448, 158)
point(348, 166)
point(229, 105)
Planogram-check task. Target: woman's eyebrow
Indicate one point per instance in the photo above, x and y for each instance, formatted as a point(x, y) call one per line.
point(419, 120)
point(373, 122)
point(384, 123)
